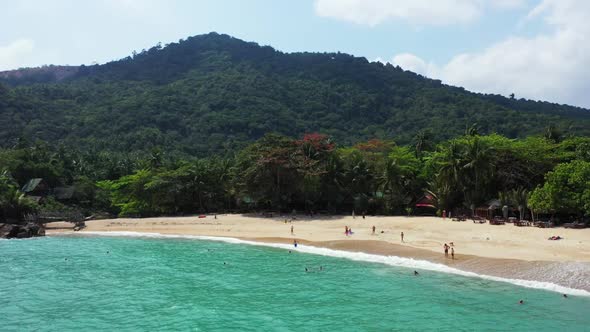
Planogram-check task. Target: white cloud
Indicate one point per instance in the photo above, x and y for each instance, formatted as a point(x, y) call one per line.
point(373, 12)
point(553, 66)
point(411, 62)
point(16, 54)
point(421, 12)
point(507, 4)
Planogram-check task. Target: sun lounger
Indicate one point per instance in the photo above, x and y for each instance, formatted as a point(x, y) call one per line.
point(576, 224)
point(478, 220)
point(497, 221)
point(521, 223)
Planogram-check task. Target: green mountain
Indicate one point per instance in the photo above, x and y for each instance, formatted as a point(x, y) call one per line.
point(213, 93)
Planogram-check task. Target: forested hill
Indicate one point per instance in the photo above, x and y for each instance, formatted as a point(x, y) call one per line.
point(214, 93)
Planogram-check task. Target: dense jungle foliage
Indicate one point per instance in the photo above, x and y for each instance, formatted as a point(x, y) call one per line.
point(548, 174)
point(213, 123)
point(213, 95)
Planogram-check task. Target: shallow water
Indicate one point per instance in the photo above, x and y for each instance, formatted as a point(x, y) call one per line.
point(138, 284)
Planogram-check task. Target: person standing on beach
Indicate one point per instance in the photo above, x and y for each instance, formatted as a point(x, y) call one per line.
point(402, 235)
point(446, 247)
point(373, 229)
point(346, 230)
point(291, 229)
point(452, 253)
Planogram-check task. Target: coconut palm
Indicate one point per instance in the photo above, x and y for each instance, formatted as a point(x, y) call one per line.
point(479, 166)
point(14, 204)
point(520, 197)
point(451, 170)
point(422, 142)
point(442, 194)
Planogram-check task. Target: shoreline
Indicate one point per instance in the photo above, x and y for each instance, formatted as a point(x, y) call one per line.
point(573, 273)
point(513, 269)
point(337, 252)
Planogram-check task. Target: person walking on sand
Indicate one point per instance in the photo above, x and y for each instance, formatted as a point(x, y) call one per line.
point(291, 229)
point(373, 229)
point(402, 235)
point(346, 230)
point(446, 247)
point(452, 252)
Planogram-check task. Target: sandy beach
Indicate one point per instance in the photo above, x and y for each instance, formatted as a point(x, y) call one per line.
point(498, 250)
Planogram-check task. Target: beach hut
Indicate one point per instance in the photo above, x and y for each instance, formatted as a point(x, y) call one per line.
point(488, 210)
point(36, 189)
point(426, 205)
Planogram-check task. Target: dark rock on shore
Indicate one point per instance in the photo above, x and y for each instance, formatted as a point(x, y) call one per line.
point(11, 231)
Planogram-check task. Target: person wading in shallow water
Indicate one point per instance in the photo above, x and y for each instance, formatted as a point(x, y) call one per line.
point(446, 247)
point(452, 252)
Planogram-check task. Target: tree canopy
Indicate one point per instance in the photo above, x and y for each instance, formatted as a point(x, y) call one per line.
point(214, 94)
point(310, 174)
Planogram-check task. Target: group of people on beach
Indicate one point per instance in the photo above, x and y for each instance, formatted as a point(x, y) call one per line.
point(348, 230)
point(446, 247)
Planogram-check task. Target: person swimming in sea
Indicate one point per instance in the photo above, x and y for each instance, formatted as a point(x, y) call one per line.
point(416, 273)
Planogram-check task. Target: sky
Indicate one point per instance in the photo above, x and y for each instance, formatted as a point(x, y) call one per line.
point(536, 49)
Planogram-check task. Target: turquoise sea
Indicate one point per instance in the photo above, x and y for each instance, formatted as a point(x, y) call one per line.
point(71, 283)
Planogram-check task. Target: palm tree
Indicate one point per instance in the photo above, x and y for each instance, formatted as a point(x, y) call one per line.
point(442, 194)
point(451, 171)
point(552, 133)
point(422, 142)
point(480, 165)
point(472, 130)
point(155, 158)
point(520, 198)
point(15, 204)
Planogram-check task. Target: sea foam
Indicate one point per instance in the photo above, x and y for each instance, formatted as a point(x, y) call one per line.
point(356, 256)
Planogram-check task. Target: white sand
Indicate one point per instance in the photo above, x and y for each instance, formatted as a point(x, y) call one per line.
point(428, 233)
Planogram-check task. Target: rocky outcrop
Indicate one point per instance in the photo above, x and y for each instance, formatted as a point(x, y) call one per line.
point(12, 231)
